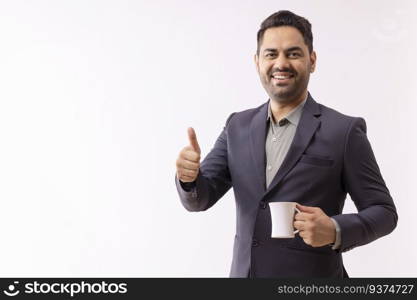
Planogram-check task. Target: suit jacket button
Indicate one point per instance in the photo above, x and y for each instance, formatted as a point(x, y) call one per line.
point(255, 243)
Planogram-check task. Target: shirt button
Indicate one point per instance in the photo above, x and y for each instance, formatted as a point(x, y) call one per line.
point(274, 139)
point(269, 168)
point(283, 122)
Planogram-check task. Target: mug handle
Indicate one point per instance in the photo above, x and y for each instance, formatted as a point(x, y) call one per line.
point(297, 210)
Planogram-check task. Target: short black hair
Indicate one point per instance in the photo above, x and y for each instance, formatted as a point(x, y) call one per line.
point(287, 18)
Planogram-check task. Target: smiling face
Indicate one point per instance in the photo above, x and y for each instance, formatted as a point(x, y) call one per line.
point(284, 64)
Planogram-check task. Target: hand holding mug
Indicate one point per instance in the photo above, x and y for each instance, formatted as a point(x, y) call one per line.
point(316, 228)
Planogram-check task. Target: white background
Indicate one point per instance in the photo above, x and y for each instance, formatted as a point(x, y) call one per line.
point(95, 99)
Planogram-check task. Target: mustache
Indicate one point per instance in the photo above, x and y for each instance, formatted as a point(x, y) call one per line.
point(286, 70)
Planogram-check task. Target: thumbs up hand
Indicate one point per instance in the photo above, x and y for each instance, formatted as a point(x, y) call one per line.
point(188, 162)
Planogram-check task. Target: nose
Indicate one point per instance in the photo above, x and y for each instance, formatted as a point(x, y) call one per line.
point(281, 63)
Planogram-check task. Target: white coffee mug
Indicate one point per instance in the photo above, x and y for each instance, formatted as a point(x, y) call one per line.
point(282, 219)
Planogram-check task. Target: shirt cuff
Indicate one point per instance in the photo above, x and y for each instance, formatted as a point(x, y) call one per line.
point(338, 241)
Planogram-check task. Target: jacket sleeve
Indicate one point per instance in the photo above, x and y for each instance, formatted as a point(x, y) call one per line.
point(213, 179)
point(377, 215)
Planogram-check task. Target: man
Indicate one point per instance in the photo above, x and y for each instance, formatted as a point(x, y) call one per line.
point(290, 149)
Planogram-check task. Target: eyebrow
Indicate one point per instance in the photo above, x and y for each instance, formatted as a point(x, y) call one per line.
point(295, 48)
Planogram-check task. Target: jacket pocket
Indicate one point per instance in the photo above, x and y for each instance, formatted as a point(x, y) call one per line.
point(297, 243)
point(317, 161)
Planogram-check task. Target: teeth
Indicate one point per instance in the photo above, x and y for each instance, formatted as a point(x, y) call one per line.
point(282, 77)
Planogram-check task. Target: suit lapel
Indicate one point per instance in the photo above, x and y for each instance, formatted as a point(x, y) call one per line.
point(306, 128)
point(257, 137)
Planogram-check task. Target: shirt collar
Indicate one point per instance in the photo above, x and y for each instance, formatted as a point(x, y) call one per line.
point(293, 116)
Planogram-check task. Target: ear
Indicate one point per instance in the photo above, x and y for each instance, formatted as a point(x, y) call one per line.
point(256, 60)
point(313, 60)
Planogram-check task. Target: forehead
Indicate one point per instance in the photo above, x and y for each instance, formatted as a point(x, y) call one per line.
point(282, 37)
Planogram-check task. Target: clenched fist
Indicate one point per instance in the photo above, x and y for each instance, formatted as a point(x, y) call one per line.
point(188, 162)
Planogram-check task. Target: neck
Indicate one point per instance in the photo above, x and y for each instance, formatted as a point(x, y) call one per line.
point(280, 109)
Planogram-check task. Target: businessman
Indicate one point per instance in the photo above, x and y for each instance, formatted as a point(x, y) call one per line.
point(290, 149)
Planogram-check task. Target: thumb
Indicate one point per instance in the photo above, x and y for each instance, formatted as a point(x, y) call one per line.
point(192, 137)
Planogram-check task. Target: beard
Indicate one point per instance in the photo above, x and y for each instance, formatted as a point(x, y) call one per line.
point(287, 93)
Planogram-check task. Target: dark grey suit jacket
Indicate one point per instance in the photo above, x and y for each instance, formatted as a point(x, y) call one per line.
point(329, 157)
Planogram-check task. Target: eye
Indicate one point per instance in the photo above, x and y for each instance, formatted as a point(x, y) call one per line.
point(269, 55)
point(293, 54)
